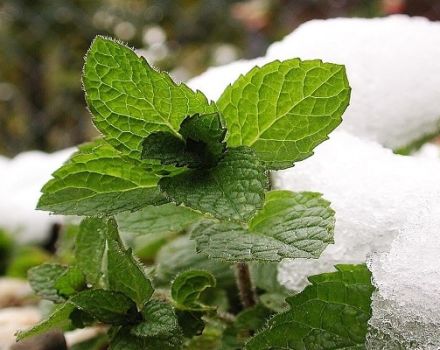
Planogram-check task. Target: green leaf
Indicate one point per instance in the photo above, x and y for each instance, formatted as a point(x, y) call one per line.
point(246, 324)
point(191, 322)
point(283, 110)
point(125, 340)
point(169, 149)
point(290, 225)
point(106, 306)
point(91, 245)
point(180, 255)
point(126, 275)
point(332, 313)
point(43, 279)
point(157, 219)
point(59, 318)
point(129, 100)
point(159, 320)
point(70, 282)
point(204, 135)
point(98, 180)
point(201, 147)
point(233, 189)
point(188, 286)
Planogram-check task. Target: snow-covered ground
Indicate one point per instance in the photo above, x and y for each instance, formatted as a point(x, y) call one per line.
point(387, 206)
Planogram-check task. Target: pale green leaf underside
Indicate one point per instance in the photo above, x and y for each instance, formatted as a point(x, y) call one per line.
point(98, 180)
point(233, 189)
point(180, 255)
point(130, 100)
point(126, 274)
point(188, 286)
point(330, 314)
point(59, 318)
point(285, 109)
point(43, 279)
point(290, 225)
point(161, 219)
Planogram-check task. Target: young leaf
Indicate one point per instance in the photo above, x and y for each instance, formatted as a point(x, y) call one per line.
point(43, 278)
point(59, 318)
point(283, 110)
point(201, 147)
point(70, 282)
point(290, 225)
point(106, 306)
point(180, 255)
point(332, 313)
point(188, 286)
point(90, 247)
point(159, 320)
point(167, 218)
point(232, 190)
point(126, 275)
point(129, 100)
point(204, 135)
point(98, 180)
point(168, 149)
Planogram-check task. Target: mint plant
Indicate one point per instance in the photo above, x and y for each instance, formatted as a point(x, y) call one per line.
point(192, 179)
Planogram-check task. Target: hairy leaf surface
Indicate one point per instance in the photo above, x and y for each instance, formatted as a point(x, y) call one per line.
point(129, 99)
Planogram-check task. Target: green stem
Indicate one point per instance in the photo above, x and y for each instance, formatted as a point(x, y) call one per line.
point(246, 289)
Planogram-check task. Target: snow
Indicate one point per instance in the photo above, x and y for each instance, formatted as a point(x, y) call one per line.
point(22, 179)
point(392, 65)
point(406, 305)
point(371, 189)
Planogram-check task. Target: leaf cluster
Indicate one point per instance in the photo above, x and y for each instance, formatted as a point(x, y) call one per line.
point(172, 162)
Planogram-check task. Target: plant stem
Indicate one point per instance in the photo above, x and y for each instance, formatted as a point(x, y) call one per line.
point(247, 292)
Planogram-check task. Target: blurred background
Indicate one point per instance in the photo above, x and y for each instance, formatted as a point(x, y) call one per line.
point(42, 44)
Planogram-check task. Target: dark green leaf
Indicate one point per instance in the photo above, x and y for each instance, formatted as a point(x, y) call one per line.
point(190, 322)
point(283, 110)
point(234, 189)
point(157, 219)
point(106, 306)
point(188, 286)
point(159, 320)
point(204, 135)
point(332, 313)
